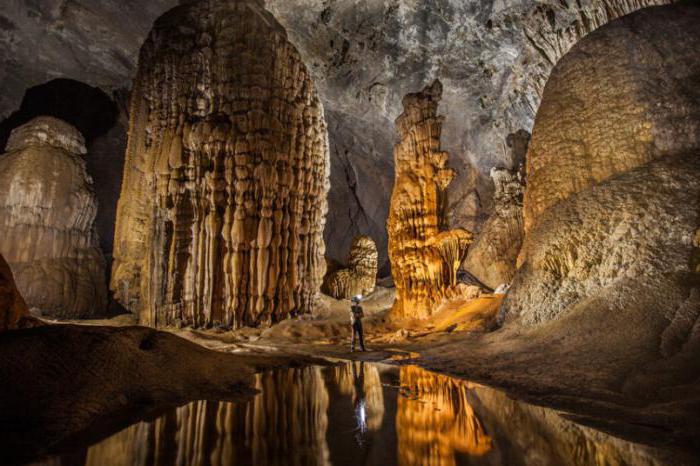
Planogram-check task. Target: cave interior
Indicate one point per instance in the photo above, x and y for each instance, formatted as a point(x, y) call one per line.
point(350, 232)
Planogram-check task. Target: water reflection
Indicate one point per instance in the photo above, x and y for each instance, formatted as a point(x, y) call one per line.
point(359, 414)
point(435, 420)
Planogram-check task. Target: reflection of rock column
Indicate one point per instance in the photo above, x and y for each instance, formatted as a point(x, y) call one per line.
point(223, 205)
point(47, 214)
point(287, 422)
point(434, 420)
point(284, 425)
point(424, 256)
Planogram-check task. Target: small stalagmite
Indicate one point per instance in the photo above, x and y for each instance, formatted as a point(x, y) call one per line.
point(47, 220)
point(360, 277)
point(424, 255)
point(221, 216)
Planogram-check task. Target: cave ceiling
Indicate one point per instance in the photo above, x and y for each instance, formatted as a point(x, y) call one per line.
point(492, 56)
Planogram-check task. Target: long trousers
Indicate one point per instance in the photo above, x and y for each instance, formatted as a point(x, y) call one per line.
point(357, 333)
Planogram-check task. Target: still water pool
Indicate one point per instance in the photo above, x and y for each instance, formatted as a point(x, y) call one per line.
point(359, 414)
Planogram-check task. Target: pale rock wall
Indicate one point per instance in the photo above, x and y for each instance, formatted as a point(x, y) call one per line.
point(47, 214)
point(613, 195)
point(424, 255)
point(608, 108)
point(222, 211)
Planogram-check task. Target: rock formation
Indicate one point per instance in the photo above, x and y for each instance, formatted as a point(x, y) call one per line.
point(424, 255)
point(12, 307)
point(47, 213)
point(612, 201)
point(493, 57)
point(361, 275)
point(493, 256)
point(223, 205)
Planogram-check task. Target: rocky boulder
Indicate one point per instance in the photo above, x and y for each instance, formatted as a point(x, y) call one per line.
point(611, 206)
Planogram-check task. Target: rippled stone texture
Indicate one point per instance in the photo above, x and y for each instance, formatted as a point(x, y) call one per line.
point(424, 255)
point(223, 205)
point(47, 214)
point(608, 109)
point(612, 202)
point(360, 277)
point(12, 306)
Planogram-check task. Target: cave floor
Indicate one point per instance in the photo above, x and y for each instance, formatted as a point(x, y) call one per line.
point(616, 382)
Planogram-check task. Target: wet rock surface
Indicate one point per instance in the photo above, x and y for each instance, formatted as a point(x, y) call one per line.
point(47, 213)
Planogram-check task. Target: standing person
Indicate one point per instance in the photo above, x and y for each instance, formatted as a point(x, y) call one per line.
point(356, 315)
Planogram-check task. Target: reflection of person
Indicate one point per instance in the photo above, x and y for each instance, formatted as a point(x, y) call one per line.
point(358, 401)
point(356, 315)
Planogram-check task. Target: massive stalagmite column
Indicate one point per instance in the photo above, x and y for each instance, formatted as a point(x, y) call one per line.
point(424, 256)
point(47, 213)
point(223, 205)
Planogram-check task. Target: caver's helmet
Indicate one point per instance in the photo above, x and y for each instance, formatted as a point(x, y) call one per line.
point(356, 299)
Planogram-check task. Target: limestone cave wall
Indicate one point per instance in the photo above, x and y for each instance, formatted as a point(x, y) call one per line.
point(613, 183)
point(47, 214)
point(222, 211)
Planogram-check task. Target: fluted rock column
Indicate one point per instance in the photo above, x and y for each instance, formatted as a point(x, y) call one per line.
point(424, 255)
point(47, 216)
point(221, 216)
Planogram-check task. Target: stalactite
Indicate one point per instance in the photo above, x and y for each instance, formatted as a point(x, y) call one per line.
point(360, 277)
point(424, 256)
point(222, 211)
point(47, 214)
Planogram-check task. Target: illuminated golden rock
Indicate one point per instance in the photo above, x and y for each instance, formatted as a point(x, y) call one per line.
point(442, 423)
point(223, 204)
point(47, 220)
point(360, 277)
point(12, 306)
point(424, 255)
